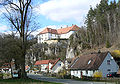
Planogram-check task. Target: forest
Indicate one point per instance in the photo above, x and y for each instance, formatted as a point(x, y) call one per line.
point(102, 26)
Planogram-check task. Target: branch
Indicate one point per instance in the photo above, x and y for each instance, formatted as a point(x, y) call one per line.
point(26, 10)
point(15, 5)
point(11, 20)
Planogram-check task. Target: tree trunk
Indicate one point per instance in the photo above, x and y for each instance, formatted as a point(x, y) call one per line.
point(23, 43)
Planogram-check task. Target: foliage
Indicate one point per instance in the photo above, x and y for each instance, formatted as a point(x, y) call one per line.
point(108, 44)
point(1, 75)
point(44, 51)
point(11, 49)
point(102, 27)
point(20, 18)
point(116, 53)
point(64, 74)
point(97, 74)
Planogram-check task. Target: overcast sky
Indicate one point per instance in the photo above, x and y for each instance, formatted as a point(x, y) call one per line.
point(57, 13)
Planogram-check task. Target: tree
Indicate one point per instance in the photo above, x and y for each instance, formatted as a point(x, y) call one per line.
point(19, 14)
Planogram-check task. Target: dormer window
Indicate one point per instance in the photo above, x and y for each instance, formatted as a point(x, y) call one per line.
point(89, 61)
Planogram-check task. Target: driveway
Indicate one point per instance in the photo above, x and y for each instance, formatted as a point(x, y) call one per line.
point(65, 81)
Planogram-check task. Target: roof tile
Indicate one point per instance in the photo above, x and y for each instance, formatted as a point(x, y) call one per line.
point(60, 31)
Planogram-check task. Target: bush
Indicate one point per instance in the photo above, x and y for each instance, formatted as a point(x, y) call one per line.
point(116, 53)
point(108, 45)
point(64, 74)
point(97, 75)
point(1, 75)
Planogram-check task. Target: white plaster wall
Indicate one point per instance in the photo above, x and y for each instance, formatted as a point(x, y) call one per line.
point(48, 36)
point(57, 68)
point(7, 71)
point(43, 66)
point(50, 65)
point(104, 66)
point(77, 73)
point(67, 35)
point(39, 39)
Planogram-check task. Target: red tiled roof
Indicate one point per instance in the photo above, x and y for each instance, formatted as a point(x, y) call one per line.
point(49, 30)
point(60, 31)
point(45, 62)
point(52, 61)
point(55, 63)
point(42, 62)
point(66, 30)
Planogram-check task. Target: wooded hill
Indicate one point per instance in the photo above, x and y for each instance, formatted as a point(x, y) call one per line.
point(102, 26)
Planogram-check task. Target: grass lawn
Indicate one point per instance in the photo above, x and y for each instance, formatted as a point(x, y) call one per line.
point(24, 81)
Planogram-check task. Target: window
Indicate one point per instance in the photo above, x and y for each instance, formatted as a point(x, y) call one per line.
point(108, 62)
point(109, 70)
point(89, 61)
point(59, 64)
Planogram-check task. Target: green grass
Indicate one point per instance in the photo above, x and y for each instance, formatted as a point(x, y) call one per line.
point(24, 81)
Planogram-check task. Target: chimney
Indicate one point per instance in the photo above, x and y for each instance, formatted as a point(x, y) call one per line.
point(72, 24)
point(61, 27)
point(67, 25)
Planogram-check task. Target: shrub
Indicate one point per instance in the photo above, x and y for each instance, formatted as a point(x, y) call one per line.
point(97, 74)
point(116, 53)
point(64, 74)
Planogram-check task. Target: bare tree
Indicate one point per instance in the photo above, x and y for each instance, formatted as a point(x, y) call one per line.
point(19, 13)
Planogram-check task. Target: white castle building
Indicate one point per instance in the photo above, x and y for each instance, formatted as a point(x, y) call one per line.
point(49, 34)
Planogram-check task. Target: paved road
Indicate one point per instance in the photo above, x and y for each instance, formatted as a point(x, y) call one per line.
point(65, 81)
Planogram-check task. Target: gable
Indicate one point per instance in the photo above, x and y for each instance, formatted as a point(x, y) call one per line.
point(109, 65)
point(55, 63)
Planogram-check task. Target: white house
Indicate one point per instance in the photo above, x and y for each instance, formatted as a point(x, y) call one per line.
point(87, 65)
point(49, 34)
point(42, 64)
point(57, 66)
point(7, 67)
point(49, 65)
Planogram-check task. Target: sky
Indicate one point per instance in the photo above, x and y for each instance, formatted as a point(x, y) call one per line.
point(56, 13)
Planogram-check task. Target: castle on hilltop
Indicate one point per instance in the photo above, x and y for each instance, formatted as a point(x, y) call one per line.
point(49, 34)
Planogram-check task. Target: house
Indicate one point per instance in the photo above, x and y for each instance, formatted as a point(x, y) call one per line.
point(87, 65)
point(6, 68)
point(42, 64)
point(49, 65)
point(49, 34)
point(57, 66)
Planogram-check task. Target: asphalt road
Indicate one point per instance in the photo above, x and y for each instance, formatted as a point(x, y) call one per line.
point(65, 81)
